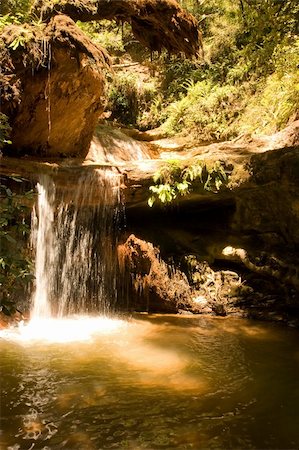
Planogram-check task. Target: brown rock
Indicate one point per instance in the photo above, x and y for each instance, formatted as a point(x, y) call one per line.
point(52, 87)
point(12, 320)
point(156, 286)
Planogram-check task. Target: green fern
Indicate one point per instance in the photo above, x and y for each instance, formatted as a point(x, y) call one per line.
point(172, 180)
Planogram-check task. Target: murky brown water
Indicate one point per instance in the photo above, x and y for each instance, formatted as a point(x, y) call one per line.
point(156, 383)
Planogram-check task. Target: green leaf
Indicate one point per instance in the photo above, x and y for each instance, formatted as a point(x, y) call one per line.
point(207, 183)
point(151, 201)
point(3, 222)
point(157, 177)
point(183, 187)
point(218, 183)
point(163, 197)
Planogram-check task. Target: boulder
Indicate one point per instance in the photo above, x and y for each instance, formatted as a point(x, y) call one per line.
point(52, 87)
point(156, 286)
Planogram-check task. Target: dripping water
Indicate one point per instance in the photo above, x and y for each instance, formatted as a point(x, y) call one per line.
point(48, 92)
point(75, 246)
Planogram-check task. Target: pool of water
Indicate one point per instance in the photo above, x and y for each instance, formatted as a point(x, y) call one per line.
point(154, 382)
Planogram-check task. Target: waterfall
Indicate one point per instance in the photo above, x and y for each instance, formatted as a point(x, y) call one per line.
point(75, 238)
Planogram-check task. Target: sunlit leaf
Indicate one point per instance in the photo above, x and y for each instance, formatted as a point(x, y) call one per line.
point(151, 201)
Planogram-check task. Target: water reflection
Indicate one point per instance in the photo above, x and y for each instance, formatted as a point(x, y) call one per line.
point(153, 382)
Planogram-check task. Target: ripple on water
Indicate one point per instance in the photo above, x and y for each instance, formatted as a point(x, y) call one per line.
point(153, 384)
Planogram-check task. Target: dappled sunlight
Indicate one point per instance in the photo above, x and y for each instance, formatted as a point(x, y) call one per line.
point(241, 327)
point(179, 382)
point(159, 367)
point(130, 343)
point(259, 333)
point(230, 251)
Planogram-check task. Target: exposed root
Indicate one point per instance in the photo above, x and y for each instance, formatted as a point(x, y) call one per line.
point(157, 24)
point(51, 85)
point(271, 266)
point(27, 48)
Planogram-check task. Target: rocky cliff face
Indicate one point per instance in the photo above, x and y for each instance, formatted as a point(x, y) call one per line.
point(250, 227)
point(154, 285)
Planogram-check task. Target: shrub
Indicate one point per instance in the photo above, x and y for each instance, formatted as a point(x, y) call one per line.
point(277, 100)
point(175, 179)
point(208, 111)
point(15, 264)
point(5, 130)
point(123, 98)
point(107, 34)
point(132, 102)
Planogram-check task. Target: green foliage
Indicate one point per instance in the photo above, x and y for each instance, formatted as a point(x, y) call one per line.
point(133, 103)
point(123, 98)
point(175, 180)
point(175, 72)
point(25, 35)
point(249, 79)
point(8, 19)
point(108, 34)
point(15, 264)
point(208, 111)
point(265, 25)
point(5, 130)
point(14, 11)
point(151, 112)
point(277, 99)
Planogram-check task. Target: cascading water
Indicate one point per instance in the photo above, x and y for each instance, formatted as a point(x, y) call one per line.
point(75, 246)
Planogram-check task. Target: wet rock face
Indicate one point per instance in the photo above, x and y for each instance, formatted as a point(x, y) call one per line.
point(271, 208)
point(52, 89)
point(155, 286)
point(251, 229)
point(10, 320)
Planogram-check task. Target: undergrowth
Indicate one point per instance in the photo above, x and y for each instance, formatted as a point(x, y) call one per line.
point(247, 81)
point(132, 102)
point(16, 269)
point(108, 34)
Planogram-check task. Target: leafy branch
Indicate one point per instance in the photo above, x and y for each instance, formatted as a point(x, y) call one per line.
point(175, 180)
point(15, 263)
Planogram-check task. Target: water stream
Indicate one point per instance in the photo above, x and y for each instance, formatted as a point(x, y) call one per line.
point(75, 245)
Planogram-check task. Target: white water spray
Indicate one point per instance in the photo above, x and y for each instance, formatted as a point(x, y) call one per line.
point(42, 238)
point(75, 246)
